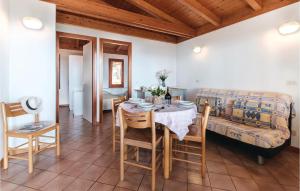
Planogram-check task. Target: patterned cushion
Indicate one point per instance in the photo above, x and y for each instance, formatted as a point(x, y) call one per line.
point(227, 108)
point(238, 114)
point(258, 113)
point(214, 102)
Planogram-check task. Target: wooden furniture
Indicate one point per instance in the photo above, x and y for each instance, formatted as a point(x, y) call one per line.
point(261, 138)
point(138, 130)
point(196, 134)
point(115, 102)
point(169, 116)
point(35, 146)
point(176, 98)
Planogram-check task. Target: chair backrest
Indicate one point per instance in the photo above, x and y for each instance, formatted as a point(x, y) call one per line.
point(137, 120)
point(176, 98)
point(115, 102)
point(13, 110)
point(10, 110)
point(204, 119)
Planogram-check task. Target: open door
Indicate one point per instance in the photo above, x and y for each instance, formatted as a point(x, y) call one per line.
point(75, 42)
point(115, 68)
point(87, 81)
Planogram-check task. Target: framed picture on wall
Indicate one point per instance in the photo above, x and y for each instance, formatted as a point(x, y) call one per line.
point(116, 73)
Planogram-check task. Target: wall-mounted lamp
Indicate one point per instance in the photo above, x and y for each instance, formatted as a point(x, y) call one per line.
point(197, 49)
point(289, 28)
point(32, 23)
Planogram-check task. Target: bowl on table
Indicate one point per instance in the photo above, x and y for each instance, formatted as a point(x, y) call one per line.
point(186, 103)
point(135, 100)
point(146, 106)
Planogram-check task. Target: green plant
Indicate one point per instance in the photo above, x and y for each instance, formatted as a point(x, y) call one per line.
point(157, 91)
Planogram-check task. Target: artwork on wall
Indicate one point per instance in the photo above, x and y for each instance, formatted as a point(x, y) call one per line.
point(116, 73)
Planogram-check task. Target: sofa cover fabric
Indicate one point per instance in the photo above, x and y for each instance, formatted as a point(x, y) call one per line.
point(214, 102)
point(257, 118)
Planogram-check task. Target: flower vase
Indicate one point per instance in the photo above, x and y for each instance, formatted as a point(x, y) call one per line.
point(157, 100)
point(163, 83)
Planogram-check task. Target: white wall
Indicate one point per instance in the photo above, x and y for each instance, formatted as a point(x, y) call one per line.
point(4, 59)
point(249, 55)
point(32, 54)
point(106, 58)
point(146, 54)
point(64, 80)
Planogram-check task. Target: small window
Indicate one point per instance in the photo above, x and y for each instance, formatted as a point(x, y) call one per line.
point(116, 73)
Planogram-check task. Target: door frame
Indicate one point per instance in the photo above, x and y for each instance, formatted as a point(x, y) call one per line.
point(94, 76)
point(124, 43)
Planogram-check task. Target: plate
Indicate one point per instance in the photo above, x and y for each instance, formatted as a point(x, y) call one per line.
point(135, 100)
point(186, 103)
point(146, 105)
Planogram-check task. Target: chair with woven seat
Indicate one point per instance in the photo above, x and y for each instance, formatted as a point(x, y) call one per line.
point(14, 110)
point(138, 130)
point(197, 134)
point(115, 102)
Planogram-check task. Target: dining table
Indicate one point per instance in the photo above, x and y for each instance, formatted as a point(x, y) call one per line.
point(175, 118)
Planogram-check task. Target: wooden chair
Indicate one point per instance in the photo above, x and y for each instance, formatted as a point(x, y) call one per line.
point(196, 134)
point(176, 98)
point(138, 130)
point(115, 102)
point(12, 110)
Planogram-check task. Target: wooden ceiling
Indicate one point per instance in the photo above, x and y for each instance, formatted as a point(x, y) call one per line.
point(115, 49)
point(164, 20)
point(71, 44)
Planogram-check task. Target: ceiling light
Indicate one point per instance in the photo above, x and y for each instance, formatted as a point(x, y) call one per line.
point(289, 28)
point(32, 23)
point(197, 49)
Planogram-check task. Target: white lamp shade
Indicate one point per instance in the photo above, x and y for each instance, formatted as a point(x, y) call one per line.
point(197, 49)
point(32, 23)
point(289, 27)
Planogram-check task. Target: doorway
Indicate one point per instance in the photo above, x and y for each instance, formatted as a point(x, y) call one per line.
point(116, 67)
point(75, 75)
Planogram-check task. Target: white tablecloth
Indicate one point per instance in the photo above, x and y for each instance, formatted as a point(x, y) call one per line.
point(175, 117)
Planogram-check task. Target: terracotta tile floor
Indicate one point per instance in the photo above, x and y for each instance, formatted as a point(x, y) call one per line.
point(87, 163)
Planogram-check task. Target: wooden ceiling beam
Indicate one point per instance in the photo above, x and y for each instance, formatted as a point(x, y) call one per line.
point(109, 13)
point(152, 10)
point(255, 4)
point(67, 18)
point(242, 16)
point(118, 48)
point(202, 11)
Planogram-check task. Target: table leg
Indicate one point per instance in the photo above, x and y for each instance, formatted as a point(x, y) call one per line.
point(166, 153)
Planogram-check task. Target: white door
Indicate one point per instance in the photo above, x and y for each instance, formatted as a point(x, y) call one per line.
point(87, 81)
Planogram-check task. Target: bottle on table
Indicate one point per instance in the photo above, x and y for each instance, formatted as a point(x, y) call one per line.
point(168, 97)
